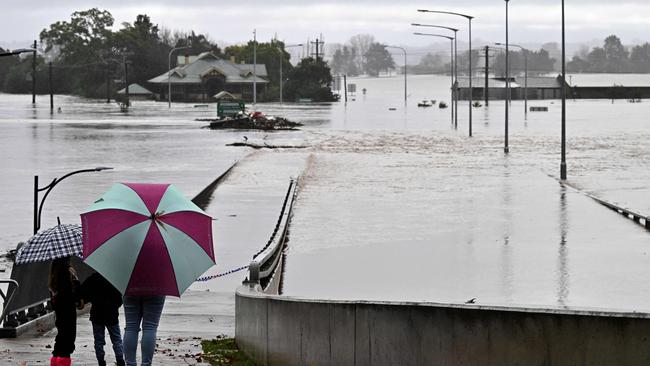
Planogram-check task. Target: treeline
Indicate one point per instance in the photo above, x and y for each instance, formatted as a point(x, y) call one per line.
point(612, 57)
point(539, 62)
point(88, 57)
point(362, 55)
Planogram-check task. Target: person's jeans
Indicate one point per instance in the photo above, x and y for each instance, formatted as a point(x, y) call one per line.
point(100, 341)
point(143, 310)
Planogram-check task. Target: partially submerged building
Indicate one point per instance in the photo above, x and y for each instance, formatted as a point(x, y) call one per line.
point(543, 87)
point(199, 77)
point(137, 91)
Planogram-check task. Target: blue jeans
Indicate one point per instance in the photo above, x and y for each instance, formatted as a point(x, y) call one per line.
point(100, 341)
point(143, 310)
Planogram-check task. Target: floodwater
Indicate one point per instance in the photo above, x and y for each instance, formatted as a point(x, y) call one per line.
point(394, 204)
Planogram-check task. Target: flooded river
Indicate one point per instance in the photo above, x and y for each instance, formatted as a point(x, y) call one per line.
point(394, 204)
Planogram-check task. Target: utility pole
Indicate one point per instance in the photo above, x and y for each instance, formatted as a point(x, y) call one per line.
point(345, 87)
point(126, 81)
point(51, 86)
point(318, 43)
point(487, 70)
point(34, 75)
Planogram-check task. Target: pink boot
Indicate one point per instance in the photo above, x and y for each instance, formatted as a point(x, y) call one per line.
point(54, 361)
point(64, 361)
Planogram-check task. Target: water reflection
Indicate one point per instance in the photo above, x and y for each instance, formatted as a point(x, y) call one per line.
point(563, 251)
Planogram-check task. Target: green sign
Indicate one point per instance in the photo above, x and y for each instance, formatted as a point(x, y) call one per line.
point(228, 108)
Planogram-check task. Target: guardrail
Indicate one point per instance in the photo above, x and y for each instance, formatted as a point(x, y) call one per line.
point(636, 217)
point(263, 269)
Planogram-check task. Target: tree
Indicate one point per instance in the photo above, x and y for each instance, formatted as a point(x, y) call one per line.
point(615, 54)
point(640, 58)
point(378, 59)
point(268, 53)
point(359, 45)
point(311, 79)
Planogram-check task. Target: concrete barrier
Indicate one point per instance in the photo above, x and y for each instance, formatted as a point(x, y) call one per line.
point(277, 330)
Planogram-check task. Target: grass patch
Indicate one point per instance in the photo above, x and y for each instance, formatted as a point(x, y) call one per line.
point(224, 351)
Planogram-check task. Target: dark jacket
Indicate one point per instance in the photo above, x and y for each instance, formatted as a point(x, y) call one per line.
point(105, 300)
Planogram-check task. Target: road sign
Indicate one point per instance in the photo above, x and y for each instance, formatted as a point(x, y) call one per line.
point(228, 108)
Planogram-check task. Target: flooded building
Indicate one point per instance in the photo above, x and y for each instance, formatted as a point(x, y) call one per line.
point(539, 87)
point(199, 77)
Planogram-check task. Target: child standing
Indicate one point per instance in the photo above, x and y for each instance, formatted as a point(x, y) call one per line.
point(105, 300)
point(64, 285)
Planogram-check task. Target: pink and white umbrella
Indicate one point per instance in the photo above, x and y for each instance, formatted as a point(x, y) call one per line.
point(147, 239)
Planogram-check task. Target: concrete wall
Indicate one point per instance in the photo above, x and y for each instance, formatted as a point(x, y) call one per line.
point(276, 330)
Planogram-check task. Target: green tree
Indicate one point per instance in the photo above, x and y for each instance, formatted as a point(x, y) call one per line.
point(310, 79)
point(378, 59)
point(640, 58)
point(269, 54)
point(147, 54)
point(615, 54)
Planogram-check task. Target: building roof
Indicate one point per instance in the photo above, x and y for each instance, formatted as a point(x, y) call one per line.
point(479, 82)
point(135, 89)
point(207, 64)
point(539, 82)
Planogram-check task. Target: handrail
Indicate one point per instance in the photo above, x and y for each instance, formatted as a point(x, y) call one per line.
point(266, 261)
point(6, 301)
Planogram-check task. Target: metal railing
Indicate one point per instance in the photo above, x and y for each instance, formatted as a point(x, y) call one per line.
point(265, 262)
point(6, 298)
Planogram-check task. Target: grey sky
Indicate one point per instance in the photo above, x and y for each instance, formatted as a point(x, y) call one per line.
point(295, 21)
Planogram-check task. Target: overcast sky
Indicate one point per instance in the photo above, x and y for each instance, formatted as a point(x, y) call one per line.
point(531, 21)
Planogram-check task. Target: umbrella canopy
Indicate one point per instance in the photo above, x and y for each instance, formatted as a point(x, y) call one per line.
point(147, 239)
point(63, 240)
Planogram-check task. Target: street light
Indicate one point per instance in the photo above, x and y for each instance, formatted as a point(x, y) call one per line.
point(563, 161)
point(169, 72)
point(469, 18)
point(281, 62)
point(405, 60)
point(38, 207)
point(17, 51)
point(454, 96)
point(525, 52)
point(451, 63)
point(254, 68)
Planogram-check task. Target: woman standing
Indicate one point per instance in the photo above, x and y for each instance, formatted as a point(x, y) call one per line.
point(63, 285)
point(143, 310)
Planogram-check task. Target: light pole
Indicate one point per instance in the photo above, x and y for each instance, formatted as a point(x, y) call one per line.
point(506, 149)
point(451, 63)
point(563, 162)
point(525, 52)
point(469, 18)
point(38, 207)
point(281, 62)
point(405, 60)
point(454, 96)
point(254, 67)
point(169, 72)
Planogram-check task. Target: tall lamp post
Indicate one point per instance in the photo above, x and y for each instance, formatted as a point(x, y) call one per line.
point(281, 62)
point(525, 52)
point(254, 67)
point(563, 161)
point(469, 18)
point(451, 63)
point(405, 60)
point(38, 207)
point(169, 72)
point(454, 96)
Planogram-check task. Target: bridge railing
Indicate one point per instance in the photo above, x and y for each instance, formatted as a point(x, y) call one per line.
point(263, 269)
